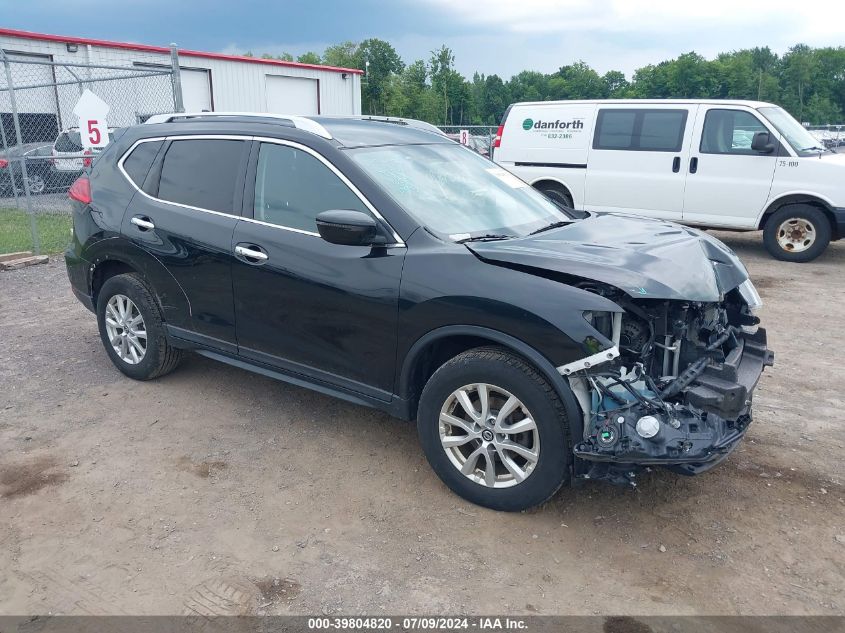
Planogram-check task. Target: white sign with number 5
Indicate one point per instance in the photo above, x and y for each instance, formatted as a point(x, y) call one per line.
point(92, 111)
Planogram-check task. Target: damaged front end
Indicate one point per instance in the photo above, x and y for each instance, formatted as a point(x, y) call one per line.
point(674, 390)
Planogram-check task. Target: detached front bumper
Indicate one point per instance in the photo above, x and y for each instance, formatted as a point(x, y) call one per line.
point(694, 434)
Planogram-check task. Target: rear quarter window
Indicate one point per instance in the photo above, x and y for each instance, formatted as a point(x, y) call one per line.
point(139, 161)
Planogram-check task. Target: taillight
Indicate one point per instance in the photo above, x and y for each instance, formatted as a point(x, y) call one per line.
point(80, 190)
point(86, 162)
point(3, 163)
point(497, 141)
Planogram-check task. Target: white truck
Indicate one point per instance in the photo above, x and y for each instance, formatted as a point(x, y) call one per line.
point(738, 165)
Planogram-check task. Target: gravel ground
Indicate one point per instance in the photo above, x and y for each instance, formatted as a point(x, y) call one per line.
point(214, 490)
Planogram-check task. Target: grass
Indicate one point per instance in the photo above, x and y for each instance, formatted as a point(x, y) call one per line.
point(15, 234)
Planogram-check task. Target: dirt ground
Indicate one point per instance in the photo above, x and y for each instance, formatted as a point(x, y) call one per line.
point(214, 490)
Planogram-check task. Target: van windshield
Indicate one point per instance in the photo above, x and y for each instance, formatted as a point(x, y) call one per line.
point(456, 193)
point(804, 143)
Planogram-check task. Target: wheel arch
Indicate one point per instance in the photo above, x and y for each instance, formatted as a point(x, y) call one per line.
point(799, 198)
point(111, 260)
point(440, 345)
point(553, 182)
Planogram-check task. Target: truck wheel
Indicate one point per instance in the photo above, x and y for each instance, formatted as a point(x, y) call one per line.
point(132, 331)
point(797, 233)
point(494, 430)
point(556, 193)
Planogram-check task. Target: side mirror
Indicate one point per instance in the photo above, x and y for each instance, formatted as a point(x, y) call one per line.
point(349, 228)
point(762, 143)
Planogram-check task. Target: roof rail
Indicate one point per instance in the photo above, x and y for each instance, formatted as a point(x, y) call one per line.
point(299, 122)
point(414, 123)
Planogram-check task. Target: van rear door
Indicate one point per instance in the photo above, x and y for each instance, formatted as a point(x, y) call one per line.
point(638, 157)
point(728, 183)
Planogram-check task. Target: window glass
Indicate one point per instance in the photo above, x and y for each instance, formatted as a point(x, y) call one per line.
point(69, 143)
point(662, 130)
point(729, 132)
point(138, 163)
point(201, 173)
point(615, 129)
point(455, 192)
point(292, 187)
point(640, 130)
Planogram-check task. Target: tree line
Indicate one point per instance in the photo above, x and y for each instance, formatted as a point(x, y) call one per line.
point(808, 82)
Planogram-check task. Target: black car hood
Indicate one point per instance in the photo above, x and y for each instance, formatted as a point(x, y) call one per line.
point(646, 258)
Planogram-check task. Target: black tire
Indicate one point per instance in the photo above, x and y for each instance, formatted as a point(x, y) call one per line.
point(510, 372)
point(557, 193)
point(160, 357)
point(813, 216)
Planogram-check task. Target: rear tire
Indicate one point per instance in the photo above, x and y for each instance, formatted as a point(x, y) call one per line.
point(797, 233)
point(527, 442)
point(132, 330)
point(557, 193)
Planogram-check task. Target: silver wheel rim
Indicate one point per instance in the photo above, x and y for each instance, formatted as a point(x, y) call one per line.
point(126, 329)
point(36, 184)
point(796, 235)
point(489, 435)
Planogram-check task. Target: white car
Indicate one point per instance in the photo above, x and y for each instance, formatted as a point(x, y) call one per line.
point(741, 165)
point(69, 157)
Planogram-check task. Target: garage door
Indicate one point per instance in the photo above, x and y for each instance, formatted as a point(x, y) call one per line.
point(196, 89)
point(292, 95)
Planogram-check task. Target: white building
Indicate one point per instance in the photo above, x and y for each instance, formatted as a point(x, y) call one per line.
point(210, 81)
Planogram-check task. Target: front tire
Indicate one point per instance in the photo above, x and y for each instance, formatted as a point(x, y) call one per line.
point(494, 430)
point(132, 330)
point(558, 194)
point(797, 233)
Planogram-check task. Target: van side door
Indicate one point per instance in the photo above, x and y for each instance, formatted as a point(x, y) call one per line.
point(637, 159)
point(728, 183)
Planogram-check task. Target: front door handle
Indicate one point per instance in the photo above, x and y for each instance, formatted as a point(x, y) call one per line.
point(676, 164)
point(251, 253)
point(693, 164)
point(143, 222)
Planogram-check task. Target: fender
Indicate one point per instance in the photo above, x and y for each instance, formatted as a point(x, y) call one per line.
point(799, 196)
point(171, 297)
point(546, 368)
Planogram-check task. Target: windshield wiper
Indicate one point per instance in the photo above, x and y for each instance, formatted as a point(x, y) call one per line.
point(489, 237)
point(809, 149)
point(549, 227)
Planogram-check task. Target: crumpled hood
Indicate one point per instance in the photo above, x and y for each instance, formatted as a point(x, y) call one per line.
point(648, 259)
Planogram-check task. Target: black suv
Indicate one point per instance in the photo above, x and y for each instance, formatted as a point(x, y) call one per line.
point(378, 261)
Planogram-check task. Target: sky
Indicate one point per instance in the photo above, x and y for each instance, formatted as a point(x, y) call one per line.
point(492, 37)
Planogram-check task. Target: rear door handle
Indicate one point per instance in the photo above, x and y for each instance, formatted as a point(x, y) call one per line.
point(676, 164)
point(253, 254)
point(693, 164)
point(143, 222)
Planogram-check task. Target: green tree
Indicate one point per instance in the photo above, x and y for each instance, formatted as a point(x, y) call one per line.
point(441, 72)
point(343, 55)
point(381, 62)
point(310, 58)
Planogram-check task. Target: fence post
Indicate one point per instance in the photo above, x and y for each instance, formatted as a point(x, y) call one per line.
point(10, 166)
point(176, 79)
point(33, 227)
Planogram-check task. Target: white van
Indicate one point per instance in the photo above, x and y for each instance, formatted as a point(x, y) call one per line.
point(741, 165)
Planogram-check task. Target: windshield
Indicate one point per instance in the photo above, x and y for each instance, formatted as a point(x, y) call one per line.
point(456, 193)
point(804, 143)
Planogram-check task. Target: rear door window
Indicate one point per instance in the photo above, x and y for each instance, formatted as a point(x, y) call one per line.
point(202, 173)
point(640, 130)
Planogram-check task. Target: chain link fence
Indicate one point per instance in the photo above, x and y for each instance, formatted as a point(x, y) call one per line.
point(831, 136)
point(42, 150)
point(477, 137)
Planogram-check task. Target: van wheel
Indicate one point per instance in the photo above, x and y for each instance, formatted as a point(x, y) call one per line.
point(797, 233)
point(132, 330)
point(494, 430)
point(556, 193)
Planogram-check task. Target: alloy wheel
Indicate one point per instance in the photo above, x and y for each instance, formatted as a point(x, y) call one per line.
point(796, 235)
point(489, 435)
point(36, 184)
point(126, 330)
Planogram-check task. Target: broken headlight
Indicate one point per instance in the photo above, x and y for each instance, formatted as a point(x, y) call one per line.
point(749, 293)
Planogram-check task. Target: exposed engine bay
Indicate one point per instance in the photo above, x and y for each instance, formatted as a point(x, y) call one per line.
point(676, 388)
